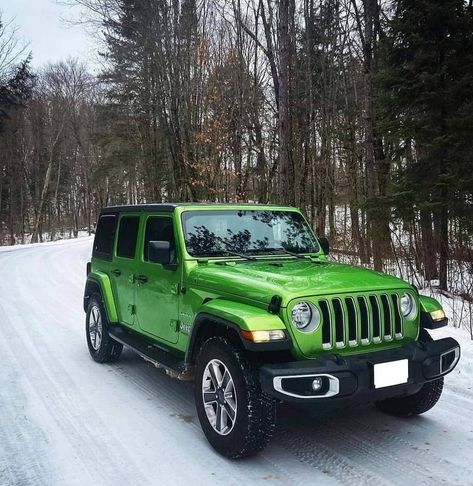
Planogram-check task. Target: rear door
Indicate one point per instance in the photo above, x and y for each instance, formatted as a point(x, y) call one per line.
point(157, 291)
point(123, 266)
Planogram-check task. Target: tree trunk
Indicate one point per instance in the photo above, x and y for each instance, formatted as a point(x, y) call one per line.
point(428, 253)
point(44, 191)
point(286, 170)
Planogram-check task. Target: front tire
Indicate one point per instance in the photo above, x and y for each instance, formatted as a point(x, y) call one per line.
point(237, 418)
point(102, 347)
point(416, 404)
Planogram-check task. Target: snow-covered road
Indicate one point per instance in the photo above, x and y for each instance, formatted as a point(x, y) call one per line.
point(66, 420)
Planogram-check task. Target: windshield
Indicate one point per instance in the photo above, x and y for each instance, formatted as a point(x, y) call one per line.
point(217, 233)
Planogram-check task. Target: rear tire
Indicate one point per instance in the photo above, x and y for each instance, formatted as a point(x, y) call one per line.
point(102, 347)
point(419, 402)
point(229, 381)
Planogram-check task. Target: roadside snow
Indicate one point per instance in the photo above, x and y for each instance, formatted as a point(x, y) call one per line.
point(65, 420)
point(22, 246)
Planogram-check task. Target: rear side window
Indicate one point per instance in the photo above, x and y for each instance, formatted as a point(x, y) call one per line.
point(104, 236)
point(127, 235)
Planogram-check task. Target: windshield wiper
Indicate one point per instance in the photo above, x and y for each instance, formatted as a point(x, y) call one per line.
point(241, 255)
point(284, 251)
point(227, 252)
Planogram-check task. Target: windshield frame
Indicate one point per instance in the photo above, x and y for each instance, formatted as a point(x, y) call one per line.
point(256, 254)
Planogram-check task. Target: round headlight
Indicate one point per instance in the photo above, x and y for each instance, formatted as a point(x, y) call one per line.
point(408, 307)
point(301, 315)
point(305, 317)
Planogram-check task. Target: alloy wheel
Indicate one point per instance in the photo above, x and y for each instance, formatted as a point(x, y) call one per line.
point(95, 327)
point(219, 396)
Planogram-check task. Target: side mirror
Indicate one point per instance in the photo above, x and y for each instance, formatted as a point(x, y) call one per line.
point(159, 252)
point(324, 244)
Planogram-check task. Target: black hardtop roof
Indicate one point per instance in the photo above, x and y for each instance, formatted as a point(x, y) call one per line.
point(169, 207)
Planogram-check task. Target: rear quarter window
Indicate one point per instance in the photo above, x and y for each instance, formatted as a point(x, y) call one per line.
point(104, 237)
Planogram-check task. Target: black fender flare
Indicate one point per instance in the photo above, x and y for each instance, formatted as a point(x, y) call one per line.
point(203, 319)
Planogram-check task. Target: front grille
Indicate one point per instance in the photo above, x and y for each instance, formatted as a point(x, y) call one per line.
point(360, 320)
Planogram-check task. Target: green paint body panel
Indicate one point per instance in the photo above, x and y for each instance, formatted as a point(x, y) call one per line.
point(239, 291)
point(296, 279)
point(155, 303)
point(245, 316)
point(429, 304)
point(104, 281)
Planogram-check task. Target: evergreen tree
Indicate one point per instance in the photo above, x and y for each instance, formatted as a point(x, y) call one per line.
point(426, 95)
point(15, 91)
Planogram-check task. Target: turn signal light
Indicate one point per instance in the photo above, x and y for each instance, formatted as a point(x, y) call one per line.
point(264, 336)
point(438, 315)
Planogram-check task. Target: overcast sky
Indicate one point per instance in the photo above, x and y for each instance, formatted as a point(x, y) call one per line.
point(50, 39)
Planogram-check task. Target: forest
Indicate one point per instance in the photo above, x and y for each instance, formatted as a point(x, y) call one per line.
point(360, 112)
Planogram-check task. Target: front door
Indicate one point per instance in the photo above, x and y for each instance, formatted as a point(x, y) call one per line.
point(158, 287)
point(123, 267)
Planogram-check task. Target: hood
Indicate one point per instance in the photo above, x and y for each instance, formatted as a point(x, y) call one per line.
point(290, 279)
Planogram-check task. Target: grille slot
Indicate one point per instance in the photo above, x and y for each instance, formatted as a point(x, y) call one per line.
point(352, 327)
point(326, 328)
point(360, 320)
point(339, 323)
point(397, 316)
point(365, 320)
point(388, 328)
point(376, 326)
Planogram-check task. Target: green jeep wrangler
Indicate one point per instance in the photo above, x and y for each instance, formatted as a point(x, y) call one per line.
point(243, 300)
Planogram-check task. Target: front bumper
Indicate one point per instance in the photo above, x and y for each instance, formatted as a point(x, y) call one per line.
point(353, 376)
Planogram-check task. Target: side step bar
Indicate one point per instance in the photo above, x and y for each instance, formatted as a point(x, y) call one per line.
point(157, 356)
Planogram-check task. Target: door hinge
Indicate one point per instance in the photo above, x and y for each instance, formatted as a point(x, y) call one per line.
point(132, 309)
point(174, 324)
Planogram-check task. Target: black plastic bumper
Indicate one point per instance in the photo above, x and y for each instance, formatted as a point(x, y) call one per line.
point(353, 376)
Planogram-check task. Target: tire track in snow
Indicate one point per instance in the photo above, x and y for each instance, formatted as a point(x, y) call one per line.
point(23, 453)
point(346, 447)
point(312, 451)
point(76, 419)
point(400, 451)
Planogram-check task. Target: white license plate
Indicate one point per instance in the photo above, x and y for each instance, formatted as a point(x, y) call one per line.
point(391, 373)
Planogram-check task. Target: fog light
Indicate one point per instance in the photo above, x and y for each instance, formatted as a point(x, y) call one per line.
point(317, 384)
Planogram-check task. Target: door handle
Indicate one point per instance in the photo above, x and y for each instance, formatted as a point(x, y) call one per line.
point(116, 272)
point(140, 278)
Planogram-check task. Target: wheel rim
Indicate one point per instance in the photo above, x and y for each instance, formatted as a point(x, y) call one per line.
point(95, 327)
point(219, 397)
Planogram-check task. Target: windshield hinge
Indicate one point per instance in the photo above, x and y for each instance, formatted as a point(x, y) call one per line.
point(275, 304)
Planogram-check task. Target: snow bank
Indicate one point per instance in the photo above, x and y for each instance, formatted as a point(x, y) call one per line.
point(83, 235)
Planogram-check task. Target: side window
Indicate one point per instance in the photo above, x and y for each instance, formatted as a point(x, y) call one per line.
point(127, 235)
point(159, 229)
point(104, 237)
